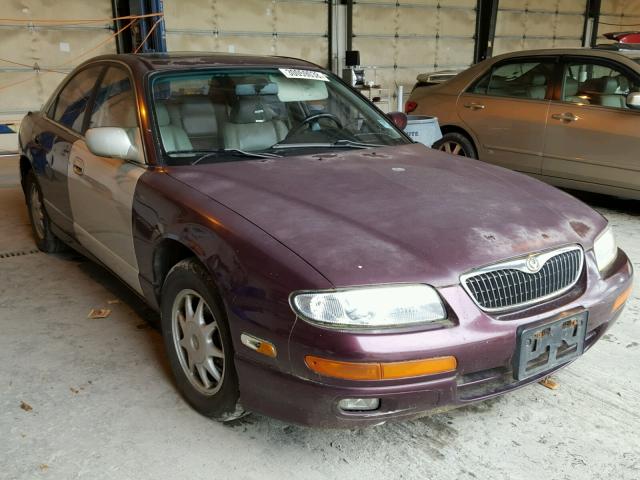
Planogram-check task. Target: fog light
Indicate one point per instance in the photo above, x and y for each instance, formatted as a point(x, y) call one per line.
point(359, 404)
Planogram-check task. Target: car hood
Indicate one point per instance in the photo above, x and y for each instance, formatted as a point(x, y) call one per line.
point(396, 214)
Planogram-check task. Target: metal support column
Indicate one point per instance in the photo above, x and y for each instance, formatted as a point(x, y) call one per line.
point(591, 20)
point(486, 13)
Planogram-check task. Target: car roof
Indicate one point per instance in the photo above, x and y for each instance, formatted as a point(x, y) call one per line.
point(190, 60)
point(589, 52)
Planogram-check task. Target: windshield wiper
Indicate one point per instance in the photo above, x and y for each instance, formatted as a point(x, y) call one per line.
point(222, 151)
point(343, 143)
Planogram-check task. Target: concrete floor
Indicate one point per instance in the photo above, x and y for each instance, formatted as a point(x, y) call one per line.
point(103, 404)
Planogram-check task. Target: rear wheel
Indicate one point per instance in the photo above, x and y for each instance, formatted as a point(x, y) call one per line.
point(40, 224)
point(456, 144)
point(198, 342)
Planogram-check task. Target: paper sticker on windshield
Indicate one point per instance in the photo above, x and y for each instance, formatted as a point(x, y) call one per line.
point(305, 74)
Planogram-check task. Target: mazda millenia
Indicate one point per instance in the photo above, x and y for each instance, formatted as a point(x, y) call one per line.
point(308, 260)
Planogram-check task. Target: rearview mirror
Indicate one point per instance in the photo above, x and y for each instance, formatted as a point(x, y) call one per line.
point(399, 119)
point(633, 100)
point(111, 142)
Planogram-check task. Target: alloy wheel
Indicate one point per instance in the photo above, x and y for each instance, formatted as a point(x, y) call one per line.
point(197, 341)
point(453, 148)
point(37, 212)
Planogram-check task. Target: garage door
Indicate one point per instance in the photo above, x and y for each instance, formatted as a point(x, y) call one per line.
point(53, 47)
point(397, 41)
point(618, 15)
point(523, 25)
point(296, 28)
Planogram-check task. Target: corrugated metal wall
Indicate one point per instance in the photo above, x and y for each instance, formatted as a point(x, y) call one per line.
point(397, 41)
point(296, 28)
point(50, 47)
point(528, 24)
point(618, 15)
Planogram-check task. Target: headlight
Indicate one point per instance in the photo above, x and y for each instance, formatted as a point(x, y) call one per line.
point(370, 307)
point(605, 249)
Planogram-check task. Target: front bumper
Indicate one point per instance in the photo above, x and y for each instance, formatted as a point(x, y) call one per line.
point(484, 346)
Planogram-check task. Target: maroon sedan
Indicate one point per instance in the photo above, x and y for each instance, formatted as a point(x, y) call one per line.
point(308, 260)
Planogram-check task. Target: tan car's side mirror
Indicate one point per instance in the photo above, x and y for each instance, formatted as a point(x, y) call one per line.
point(111, 142)
point(633, 100)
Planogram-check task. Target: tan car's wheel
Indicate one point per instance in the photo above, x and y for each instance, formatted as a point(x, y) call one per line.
point(198, 341)
point(456, 144)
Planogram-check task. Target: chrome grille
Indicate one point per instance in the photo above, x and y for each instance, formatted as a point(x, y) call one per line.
point(524, 281)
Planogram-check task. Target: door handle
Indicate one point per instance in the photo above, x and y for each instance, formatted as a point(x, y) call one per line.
point(78, 166)
point(565, 117)
point(474, 106)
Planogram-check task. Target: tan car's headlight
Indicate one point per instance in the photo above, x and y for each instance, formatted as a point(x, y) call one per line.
point(605, 248)
point(370, 307)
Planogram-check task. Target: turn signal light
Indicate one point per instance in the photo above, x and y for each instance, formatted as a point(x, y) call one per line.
point(622, 298)
point(410, 106)
point(380, 371)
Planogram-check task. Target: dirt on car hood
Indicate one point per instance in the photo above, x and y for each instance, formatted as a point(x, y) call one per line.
point(396, 214)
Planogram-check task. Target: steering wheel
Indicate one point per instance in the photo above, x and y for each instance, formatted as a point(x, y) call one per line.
point(311, 118)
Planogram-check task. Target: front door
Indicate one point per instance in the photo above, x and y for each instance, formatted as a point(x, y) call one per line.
point(101, 189)
point(506, 111)
point(593, 137)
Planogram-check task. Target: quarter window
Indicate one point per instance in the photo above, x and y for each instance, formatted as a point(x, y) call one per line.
point(72, 100)
point(589, 83)
point(517, 80)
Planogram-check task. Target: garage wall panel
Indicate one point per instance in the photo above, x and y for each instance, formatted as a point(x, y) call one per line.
point(296, 28)
point(42, 48)
point(398, 40)
point(527, 24)
point(617, 16)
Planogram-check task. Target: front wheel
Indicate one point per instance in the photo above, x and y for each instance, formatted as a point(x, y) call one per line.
point(198, 342)
point(456, 144)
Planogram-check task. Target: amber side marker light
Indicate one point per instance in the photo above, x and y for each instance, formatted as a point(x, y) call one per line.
point(259, 345)
point(380, 371)
point(622, 298)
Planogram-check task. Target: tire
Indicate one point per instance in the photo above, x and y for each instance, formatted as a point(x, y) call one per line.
point(198, 351)
point(40, 223)
point(456, 144)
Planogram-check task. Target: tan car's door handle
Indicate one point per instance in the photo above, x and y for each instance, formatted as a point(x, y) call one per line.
point(565, 117)
point(78, 166)
point(474, 106)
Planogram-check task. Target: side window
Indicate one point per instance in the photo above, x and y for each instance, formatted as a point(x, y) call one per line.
point(115, 104)
point(71, 104)
point(517, 80)
point(588, 83)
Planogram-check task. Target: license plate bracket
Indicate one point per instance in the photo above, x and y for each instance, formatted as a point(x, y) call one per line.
point(546, 346)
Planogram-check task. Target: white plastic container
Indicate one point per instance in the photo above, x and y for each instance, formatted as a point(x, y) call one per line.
point(423, 129)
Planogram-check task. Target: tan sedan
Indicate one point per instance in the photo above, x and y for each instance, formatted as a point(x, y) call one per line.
point(570, 117)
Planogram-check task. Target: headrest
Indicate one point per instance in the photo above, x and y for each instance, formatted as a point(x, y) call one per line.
point(610, 85)
point(198, 115)
point(252, 89)
point(162, 115)
point(570, 87)
point(538, 80)
point(602, 85)
point(254, 109)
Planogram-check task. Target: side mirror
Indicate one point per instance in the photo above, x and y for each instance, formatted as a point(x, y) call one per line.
point(399, 119)
point(633, 100)
point(111, 142)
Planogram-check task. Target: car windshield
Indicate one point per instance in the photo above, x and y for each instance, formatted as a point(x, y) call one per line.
point(234, 114)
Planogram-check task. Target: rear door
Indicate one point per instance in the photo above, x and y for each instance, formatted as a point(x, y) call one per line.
point(101, 189)
point(592, 136)
point(56, 131)
point(506, 110)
